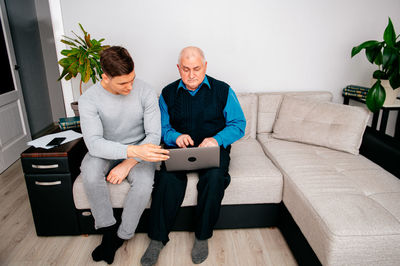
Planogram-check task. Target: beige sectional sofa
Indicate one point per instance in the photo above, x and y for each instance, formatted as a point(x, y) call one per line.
point(301, 152)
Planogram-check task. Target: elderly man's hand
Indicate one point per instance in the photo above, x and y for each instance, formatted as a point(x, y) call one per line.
point(148, 152)
point(184, 140)
point(209, 142)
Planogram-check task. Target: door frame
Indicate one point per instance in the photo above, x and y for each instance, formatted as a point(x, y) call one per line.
point(16, 94)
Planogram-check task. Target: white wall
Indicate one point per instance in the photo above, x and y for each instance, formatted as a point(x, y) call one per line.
point(253, 45)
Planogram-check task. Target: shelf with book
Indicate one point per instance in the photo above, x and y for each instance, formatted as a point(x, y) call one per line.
point(385, 113)
point(69, 123)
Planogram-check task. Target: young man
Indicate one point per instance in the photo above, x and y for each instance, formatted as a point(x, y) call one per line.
point(196, 110)
point(120, 122)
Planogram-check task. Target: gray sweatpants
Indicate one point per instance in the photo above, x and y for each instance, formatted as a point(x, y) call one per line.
point(141, 178)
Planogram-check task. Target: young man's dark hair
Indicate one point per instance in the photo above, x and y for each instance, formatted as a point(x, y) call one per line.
point(116, 61)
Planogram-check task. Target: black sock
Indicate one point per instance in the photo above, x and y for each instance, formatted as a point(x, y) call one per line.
point(109, 245)
point(97, 253)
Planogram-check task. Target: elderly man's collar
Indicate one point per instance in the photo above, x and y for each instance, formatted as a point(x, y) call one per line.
point(205, 81)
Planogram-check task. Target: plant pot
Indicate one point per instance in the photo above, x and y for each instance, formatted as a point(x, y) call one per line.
point(74, 106)
point(391, 94)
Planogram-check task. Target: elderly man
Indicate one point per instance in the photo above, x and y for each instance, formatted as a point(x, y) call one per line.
point(196, 110)
point(121, 126)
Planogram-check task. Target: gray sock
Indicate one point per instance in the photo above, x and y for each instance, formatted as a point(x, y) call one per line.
point(199, 251)
point(150, 257)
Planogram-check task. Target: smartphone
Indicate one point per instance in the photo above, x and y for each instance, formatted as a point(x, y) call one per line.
point(56, 141)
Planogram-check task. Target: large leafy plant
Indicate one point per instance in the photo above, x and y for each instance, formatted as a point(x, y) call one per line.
point(386, 55)
point(82, 57)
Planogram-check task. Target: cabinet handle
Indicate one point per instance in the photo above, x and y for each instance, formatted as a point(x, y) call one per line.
point(54, 183)
point(50, 166)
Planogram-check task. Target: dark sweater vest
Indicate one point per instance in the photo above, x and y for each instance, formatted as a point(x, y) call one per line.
point(200, 116)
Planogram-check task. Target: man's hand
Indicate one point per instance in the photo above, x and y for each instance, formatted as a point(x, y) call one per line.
point(121, 171)
point(184, 140)
point(148, 152)
point(209, 142)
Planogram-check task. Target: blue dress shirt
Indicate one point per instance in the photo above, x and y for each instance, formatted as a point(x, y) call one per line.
point(234, 119)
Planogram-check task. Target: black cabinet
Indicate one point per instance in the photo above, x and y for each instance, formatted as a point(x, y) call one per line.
point(384, 118)
point(49, 176)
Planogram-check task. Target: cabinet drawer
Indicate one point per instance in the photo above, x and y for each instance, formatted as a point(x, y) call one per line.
point(45, 165)
point(52, 204)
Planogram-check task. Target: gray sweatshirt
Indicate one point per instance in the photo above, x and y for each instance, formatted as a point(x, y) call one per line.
point(111, 122)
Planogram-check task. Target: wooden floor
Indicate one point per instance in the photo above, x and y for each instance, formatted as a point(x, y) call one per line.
point(19, 244)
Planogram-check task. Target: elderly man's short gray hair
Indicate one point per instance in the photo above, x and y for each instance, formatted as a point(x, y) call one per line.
point(192, 50)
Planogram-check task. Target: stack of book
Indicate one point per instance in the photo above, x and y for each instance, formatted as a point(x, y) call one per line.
point(356, 91)
point(69, 122)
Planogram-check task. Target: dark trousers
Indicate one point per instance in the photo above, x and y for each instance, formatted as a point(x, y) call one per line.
point(169, 192)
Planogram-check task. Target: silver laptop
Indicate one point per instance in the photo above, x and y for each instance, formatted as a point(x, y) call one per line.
point(188, 159)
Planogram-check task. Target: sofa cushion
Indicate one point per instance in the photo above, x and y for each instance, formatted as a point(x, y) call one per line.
point(345, 205)
point(248, 102)
point(254, 180)
point(117, 194)
point(269, 103)
point(331, 125)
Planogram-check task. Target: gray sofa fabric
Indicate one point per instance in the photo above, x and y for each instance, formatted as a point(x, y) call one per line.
point(346, 206)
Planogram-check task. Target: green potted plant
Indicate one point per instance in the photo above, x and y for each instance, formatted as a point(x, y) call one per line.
point(386, 55)
point(83, 58)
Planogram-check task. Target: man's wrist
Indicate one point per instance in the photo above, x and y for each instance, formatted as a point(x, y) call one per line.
point(218, 139)
point(174, 137)
point(131, 151)
point(130, 162)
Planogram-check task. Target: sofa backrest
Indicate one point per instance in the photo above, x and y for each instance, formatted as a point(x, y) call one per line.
point(249, 104)
point(260, 109)
point(270, 102)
